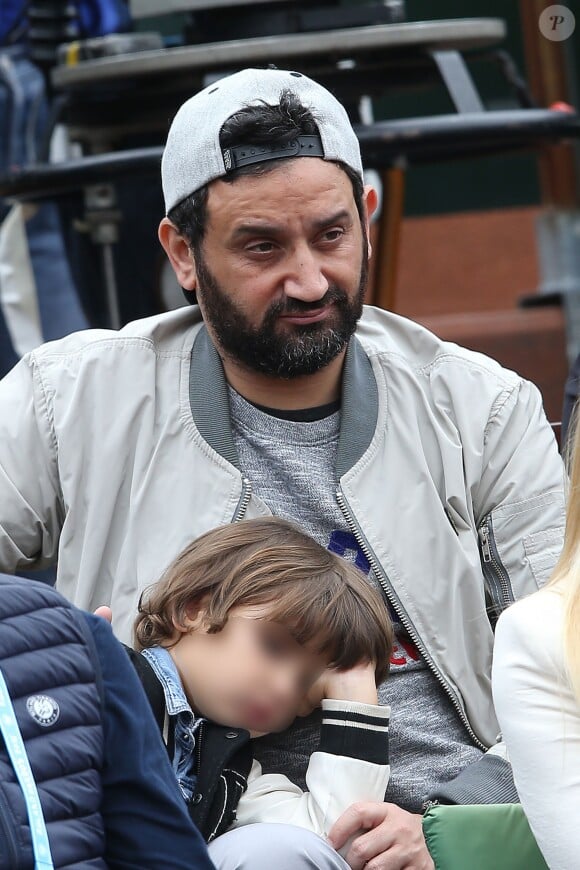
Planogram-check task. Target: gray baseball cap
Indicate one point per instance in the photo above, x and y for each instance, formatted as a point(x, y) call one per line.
point(193, 157)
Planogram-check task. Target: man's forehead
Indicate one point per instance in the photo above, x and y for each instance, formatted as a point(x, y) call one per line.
point(319, 189)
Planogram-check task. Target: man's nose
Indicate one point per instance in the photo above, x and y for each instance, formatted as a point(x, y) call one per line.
point(305, 279)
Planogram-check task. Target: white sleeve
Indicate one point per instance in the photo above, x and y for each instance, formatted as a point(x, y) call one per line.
point(540, 721)
point(359, 732)
point(31, 508)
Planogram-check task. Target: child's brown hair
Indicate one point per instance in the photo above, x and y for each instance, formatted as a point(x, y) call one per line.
point(323, 600)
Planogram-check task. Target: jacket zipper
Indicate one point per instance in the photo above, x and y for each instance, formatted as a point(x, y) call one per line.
point(384, 582)
point(243, 502)
point(494, 570)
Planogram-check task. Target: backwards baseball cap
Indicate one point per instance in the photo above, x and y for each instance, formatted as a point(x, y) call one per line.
point(193, 156)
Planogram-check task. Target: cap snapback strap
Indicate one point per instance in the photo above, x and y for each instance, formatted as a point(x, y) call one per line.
point(245, 155)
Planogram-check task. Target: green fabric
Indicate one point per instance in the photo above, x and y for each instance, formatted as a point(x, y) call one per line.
point(481, 837)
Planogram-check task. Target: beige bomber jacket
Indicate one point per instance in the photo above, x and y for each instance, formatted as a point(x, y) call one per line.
point(116, 451)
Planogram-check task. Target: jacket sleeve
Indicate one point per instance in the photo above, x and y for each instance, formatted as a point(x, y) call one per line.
point(519, 501)
point(350, 765)
point(31, 510)
point(147, 825)
point(540, 721)
point(520, 514)
point(487, 781)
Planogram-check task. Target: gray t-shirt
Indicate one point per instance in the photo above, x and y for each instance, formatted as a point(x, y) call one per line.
point(291, 468)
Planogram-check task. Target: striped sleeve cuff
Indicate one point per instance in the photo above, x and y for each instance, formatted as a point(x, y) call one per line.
point(355, 730)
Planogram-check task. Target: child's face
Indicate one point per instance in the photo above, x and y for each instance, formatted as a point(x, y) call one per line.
point(252, 674)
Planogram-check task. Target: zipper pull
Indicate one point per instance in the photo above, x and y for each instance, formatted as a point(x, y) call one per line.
point(485, 547)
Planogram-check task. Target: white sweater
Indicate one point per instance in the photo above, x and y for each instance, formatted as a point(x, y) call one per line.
point(540, 721)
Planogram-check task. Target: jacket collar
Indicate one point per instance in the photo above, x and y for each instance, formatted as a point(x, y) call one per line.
point(208, 397)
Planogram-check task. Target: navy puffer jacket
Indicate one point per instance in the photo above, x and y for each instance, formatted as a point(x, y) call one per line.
point(58, 708)
point(108, 793)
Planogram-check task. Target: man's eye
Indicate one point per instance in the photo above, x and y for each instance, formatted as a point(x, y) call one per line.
point(261, 248)
point(333, 235)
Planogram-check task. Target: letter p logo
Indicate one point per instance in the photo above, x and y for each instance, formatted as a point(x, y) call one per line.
point(557, 23)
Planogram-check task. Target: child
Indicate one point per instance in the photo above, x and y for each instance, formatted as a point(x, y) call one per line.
point(253, 624)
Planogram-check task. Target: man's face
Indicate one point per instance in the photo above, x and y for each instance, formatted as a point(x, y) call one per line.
point(282, 270)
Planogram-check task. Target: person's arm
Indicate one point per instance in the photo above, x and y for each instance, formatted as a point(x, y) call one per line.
point(147, 825)
point(31, 512)
point(350, 765)
point(519, 500)
point(540, 722)
point(520, 513)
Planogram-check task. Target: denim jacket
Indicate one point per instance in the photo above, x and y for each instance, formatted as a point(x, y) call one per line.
point(185, 722)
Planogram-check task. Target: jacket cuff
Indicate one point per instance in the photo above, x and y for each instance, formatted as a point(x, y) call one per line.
point(355, 730)
point(487, 781)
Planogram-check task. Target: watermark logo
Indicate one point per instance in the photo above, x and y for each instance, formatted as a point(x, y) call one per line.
point(557, 23)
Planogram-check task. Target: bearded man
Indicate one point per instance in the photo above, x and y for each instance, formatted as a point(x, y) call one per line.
point(431, 467)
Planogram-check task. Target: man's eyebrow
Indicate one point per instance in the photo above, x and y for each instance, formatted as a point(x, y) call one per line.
point(268, 229)
point(257, 228)
point(335, 218)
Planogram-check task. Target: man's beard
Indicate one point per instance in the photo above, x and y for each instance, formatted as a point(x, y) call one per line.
point(281, 353)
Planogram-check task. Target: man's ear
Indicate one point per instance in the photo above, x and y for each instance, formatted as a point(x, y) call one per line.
point(179, 253)
point(371, 202)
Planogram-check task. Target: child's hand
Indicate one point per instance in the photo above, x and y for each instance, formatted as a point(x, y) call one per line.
point(356, 684)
